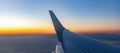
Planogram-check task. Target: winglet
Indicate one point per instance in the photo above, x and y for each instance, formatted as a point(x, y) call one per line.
point(57, 25)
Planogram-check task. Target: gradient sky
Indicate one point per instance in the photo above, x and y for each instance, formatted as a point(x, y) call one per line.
point(83, 16)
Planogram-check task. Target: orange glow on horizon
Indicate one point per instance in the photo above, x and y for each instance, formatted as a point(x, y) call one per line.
point(50, 30)
point(87, 30)
point(26, 31)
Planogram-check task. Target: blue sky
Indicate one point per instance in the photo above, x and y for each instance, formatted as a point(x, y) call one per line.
point(74, 14)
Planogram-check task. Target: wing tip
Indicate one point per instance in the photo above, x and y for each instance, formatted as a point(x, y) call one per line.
point(50, 11)
point(57, 25)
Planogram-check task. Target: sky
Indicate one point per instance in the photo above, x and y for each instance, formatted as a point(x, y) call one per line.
point(80, 16)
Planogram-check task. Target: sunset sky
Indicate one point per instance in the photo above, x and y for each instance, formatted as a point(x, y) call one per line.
point(83, 16)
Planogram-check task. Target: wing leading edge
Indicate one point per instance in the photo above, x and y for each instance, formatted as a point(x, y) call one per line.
point(74, 43)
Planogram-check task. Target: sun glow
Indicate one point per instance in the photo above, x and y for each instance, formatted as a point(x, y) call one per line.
point(17, 25)
point(11, 21)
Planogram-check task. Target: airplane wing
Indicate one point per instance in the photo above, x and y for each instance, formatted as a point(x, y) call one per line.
point(70, 42)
